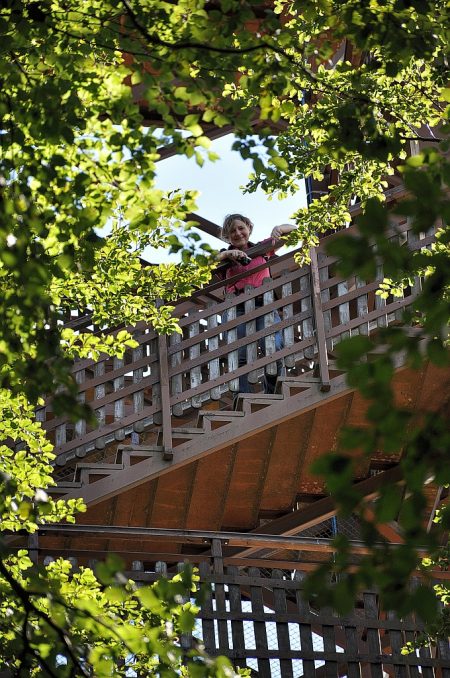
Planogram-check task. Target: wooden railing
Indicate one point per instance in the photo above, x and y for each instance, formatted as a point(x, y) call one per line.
point(259, 617)
point(166, 376)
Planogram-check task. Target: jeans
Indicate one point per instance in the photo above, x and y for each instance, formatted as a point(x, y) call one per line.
point(270, 380)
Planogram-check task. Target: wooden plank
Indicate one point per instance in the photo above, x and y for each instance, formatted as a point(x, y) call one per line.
point(243, 491)
point(237, 625)
point(269, 341)
point(231, 336)
point(373, 636)
point(343, 307)
point(397, 642)
point(306, 307)
point(351, 648)
point(319, 319)
point(329, 643)
point(80, 425)
point(362, 305)
point(119, 404)
point(100, 412)
point(172, 496)
point(195, 372)
point(259, 627)
point(220, 597)
point(250, 329)
point(185, 638)
point(176, 382)
point(165, 397)
point(410, 637)
point(305, 630)
point(138, 395)
point(285, 463)
point(323, 438)
point(288, 332)
point(443, 648)
point(424, 655)
point(284, 645)
point(209, 637)
point(212, 345)
point(211, 486)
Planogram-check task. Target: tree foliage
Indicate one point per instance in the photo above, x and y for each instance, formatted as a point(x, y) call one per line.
point(76, 157)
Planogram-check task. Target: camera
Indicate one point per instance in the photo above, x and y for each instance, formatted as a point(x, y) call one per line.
point(244, 261)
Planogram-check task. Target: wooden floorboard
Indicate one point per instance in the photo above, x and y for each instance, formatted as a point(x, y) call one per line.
point(208, 497)
point(242, 493)
point(280, 487)
point(323, 439)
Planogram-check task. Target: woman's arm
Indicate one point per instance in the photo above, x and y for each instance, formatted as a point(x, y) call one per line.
point(282, 229)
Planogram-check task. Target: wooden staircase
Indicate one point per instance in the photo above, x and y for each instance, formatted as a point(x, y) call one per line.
point(212, 426)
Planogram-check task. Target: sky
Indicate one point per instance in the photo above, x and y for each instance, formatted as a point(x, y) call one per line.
point(220, 185)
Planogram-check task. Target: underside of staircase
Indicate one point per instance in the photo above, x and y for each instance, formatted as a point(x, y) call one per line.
point(236, 470)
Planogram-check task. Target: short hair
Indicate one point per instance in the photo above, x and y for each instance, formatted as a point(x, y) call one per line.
point(228, 222)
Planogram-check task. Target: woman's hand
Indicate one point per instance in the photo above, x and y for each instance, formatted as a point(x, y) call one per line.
point(282, 229)
point(236, 255)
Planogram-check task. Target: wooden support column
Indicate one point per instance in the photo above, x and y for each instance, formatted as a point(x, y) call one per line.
point(318, 319)
point(165, 397)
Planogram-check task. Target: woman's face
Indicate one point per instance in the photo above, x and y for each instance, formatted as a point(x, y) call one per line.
point(239, 234)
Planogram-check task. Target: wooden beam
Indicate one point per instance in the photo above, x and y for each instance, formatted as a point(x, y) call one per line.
point(297, 521)
point(288, 543)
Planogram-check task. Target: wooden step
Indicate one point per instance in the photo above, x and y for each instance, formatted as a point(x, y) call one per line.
point(184, 433)
point(84, 471)
point(64, 486)
point(286, 384)
point(125, 453)
point(207, 418)
point(246, 402)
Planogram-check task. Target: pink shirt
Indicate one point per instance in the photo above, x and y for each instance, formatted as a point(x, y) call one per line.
point(254, 279)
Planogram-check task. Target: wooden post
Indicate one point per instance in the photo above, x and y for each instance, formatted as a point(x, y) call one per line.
point(165, 397)
point(320, 327)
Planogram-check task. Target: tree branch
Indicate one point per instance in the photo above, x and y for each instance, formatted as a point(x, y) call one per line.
point(211, 48)
point(25, 598)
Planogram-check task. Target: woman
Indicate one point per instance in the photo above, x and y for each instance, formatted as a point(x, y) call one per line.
point(236, 230)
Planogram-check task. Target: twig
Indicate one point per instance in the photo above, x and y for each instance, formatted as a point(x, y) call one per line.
point(25, 598)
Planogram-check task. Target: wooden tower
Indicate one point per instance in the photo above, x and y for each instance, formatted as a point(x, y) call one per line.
point(173, 473)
